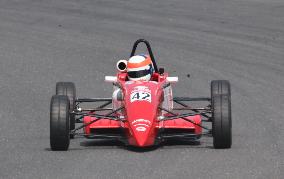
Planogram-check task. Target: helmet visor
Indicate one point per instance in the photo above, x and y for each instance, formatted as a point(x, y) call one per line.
point(138, 74)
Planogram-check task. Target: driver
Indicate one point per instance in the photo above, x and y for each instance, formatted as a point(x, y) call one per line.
point(140, 68)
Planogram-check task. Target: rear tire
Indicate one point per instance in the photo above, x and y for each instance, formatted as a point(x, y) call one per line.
point(220, 87)
point(221, 113)
point(68, 89)
point(59, 123)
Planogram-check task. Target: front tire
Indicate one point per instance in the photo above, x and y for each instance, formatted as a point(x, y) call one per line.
point(59, 123)
point(221, 113)
point(68, 89)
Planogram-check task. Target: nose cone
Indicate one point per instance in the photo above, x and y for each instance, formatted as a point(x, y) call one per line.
point(141, 141)
point(141, 130)
point(141, 104)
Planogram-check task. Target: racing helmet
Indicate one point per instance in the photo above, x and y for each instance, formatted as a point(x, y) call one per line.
point(140, 68)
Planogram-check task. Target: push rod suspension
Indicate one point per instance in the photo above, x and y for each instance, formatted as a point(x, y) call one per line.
point(188, 120)
point(84, 125)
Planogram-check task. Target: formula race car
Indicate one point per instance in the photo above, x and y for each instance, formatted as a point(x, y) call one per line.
point(141, 113)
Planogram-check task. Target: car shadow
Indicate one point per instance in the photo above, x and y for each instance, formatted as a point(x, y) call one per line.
point(102, 143)
point(170, 144)
point(110, 144)
point(115, 144)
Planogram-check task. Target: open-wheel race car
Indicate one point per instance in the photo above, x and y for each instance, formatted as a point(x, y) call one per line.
point(141, 113)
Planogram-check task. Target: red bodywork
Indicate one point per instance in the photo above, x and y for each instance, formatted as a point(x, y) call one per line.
point(142, 124)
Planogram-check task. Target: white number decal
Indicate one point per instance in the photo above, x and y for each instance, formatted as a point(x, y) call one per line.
point(140, 96)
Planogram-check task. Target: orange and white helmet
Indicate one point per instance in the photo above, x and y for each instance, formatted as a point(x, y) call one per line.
point(140, 67)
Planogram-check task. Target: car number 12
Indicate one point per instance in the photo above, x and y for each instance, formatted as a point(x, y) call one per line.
point(140, 96)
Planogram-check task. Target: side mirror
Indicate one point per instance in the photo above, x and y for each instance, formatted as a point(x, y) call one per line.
point(111, 79)
point(172, 79)
point(161, 71)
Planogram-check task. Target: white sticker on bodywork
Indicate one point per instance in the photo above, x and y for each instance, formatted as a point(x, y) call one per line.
point(141, 129)
point(141, 125)
point(140, 93)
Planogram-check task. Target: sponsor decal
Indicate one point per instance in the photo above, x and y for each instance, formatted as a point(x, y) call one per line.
point(141, 125)
point(129, 82)
point(141, 129)
point(140, 93)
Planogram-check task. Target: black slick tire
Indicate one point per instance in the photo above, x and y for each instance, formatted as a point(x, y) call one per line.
point(59, 123)
point(221, 114)
point(68, 89)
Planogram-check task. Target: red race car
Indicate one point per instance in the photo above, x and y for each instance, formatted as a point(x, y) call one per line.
point(141, 113)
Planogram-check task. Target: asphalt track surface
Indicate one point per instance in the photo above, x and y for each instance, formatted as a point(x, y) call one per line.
point(42, 42)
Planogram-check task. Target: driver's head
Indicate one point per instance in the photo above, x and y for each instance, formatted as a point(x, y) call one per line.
point(139, 67)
